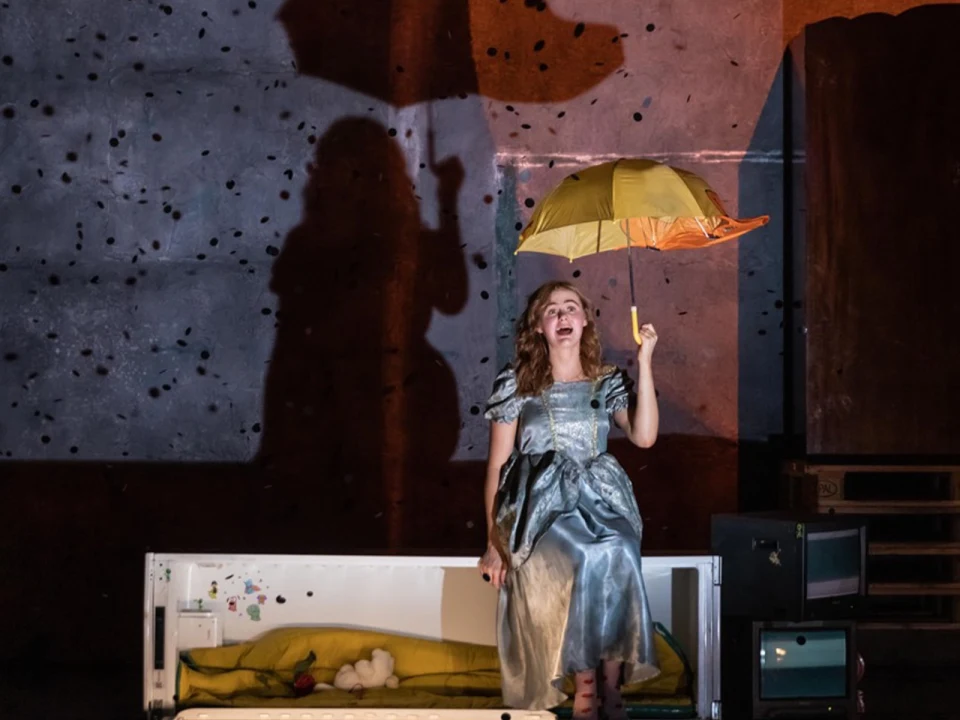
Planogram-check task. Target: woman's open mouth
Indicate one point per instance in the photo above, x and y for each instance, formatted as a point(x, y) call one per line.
point(564, 332)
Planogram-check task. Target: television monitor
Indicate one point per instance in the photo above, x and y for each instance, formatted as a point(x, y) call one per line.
point(792, 567)
point(804, 669)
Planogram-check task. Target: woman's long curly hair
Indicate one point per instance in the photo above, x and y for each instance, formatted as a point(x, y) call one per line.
point(532, 364)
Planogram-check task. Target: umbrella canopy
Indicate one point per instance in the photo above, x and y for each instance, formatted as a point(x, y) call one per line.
point(648, 203)
point(630, 203)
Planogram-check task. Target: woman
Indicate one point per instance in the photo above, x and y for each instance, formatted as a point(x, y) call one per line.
point(563, 526)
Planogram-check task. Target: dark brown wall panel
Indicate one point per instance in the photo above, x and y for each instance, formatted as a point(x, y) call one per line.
point(883, 229)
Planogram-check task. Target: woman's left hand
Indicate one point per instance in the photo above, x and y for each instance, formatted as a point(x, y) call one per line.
point(649, 334)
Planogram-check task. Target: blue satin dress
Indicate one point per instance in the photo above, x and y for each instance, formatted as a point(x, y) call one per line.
point(567, 516)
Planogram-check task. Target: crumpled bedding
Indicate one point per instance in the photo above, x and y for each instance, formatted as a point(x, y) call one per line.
point(433, 674)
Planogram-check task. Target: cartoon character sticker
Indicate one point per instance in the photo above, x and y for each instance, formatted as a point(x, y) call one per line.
point(212, 592)
point(261, 599)
point(250, 588)
point(232, 603)
point(254, 612)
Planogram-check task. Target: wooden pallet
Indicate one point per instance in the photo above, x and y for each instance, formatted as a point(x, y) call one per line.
point(822, 488)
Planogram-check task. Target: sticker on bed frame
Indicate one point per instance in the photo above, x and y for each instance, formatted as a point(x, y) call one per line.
point(250, 588)
point(212, 592)
point(254, 612)
point(232, 603)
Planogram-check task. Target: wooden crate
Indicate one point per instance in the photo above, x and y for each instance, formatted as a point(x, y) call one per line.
point(826, 488)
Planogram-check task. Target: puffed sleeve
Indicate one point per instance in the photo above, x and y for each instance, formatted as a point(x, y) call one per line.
point(504, 405)
point(619, 390)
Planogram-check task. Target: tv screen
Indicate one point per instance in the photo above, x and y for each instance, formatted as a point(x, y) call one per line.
point(833, 563)
point(803, 664)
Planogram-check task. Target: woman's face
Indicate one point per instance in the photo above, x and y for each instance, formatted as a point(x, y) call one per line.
point(563, 319)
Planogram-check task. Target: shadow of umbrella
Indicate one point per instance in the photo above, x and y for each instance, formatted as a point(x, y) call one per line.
point(409, 51)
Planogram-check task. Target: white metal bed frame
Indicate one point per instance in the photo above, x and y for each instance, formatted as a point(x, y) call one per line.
point(193, 600)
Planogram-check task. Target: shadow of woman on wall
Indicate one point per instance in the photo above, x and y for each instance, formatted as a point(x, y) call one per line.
point(357, 402)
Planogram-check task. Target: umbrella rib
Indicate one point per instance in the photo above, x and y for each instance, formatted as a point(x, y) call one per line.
point(702, 228)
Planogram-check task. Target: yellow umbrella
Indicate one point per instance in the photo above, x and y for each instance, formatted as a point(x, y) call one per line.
point(630, 203)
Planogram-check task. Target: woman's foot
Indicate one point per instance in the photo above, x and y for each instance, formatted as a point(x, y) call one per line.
point(586, 704)
point(613, 707)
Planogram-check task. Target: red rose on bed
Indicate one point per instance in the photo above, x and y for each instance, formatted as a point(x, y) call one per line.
point(303, 685)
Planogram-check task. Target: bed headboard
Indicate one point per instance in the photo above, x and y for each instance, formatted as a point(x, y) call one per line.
point(201, 600)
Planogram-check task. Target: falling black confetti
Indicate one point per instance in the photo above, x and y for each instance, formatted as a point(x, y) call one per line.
point(578, 30)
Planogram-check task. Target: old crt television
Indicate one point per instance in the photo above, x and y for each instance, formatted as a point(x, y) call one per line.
point(804, 670)
point(791, 566)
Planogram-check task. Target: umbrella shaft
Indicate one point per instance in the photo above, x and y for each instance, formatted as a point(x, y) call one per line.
point(633, 294)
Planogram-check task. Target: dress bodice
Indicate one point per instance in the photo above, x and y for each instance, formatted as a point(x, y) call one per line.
point(572, 418)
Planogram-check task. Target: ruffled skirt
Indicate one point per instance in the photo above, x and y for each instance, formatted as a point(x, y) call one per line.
point(575, 597)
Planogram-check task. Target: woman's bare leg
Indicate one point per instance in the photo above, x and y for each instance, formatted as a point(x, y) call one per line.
point(612, 700)
point(585, 702)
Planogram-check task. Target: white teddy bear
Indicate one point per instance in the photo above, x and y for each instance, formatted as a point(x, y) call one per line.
point(364, 674)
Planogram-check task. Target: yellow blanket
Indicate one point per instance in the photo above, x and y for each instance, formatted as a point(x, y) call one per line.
point(432, 673)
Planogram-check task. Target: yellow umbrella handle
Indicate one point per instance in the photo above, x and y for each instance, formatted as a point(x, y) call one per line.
point(636, 328)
